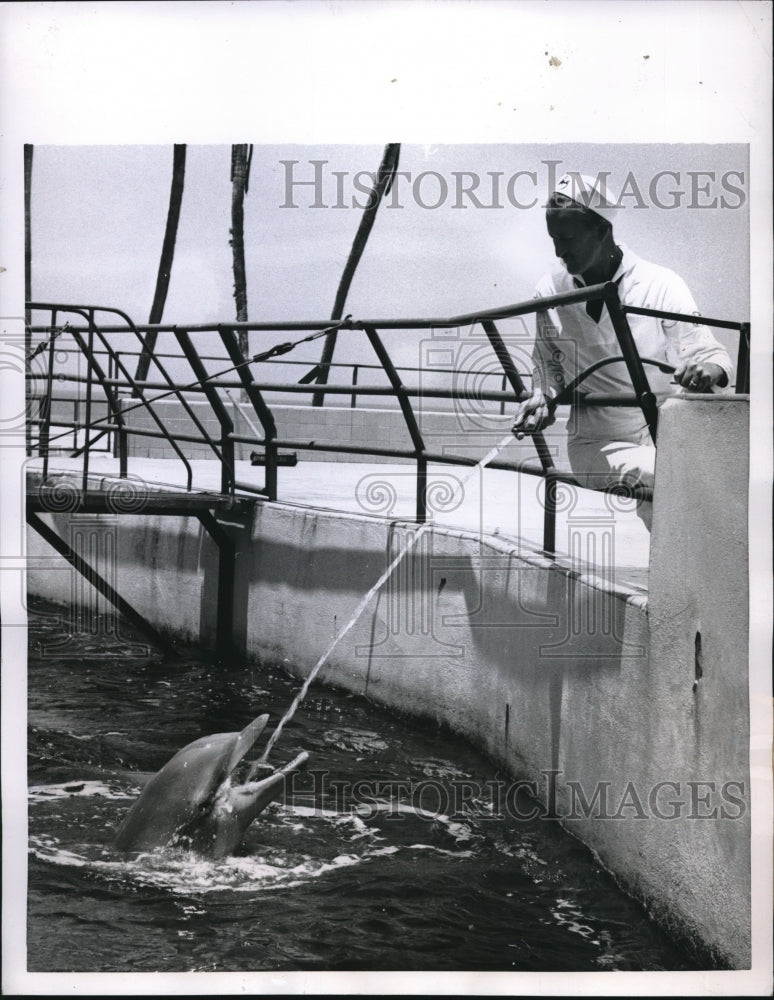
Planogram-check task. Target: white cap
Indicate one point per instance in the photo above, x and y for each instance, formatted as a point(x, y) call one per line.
point(593, 193)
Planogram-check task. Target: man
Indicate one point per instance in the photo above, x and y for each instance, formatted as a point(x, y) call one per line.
point(610, 445)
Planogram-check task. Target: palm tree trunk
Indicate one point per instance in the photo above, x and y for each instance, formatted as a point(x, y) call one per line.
point(240, 177)
point(384, 179)
point(167, 256)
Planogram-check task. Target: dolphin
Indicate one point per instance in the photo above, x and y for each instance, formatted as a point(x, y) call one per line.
point(194, 800)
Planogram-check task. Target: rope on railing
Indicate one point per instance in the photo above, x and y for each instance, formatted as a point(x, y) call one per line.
point(635, 365)
point(276, 350)
point(47, 343)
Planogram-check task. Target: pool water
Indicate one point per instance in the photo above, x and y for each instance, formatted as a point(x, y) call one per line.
point(389, 853)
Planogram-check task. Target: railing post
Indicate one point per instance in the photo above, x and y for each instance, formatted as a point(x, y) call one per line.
point(87, 350)
point(353, 398)
point(517, 384)
point(631, 356)
point(421, 510)
point(111, 393)
point(119, 439)
point(549, 514)
point(148, 351)
point(123, 451)
point(91, 360)
point(220, 411)
point(76, 422)
point(262, 411)
point(44, 434)
point(112, 374)
point(408, 416)
point(743, 359)
point(137, 390)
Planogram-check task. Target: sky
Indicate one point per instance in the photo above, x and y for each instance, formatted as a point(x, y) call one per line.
point(462, 230)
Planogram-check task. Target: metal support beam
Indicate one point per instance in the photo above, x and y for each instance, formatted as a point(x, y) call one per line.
point(98, 582)
point(224, 622)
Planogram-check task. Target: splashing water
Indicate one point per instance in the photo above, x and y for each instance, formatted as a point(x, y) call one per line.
point(368, 863)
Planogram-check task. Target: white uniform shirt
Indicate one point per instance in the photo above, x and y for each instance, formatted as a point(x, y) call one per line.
point(568, 340)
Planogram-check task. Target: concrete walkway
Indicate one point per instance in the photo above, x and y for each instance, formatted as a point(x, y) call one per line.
point(591, 527)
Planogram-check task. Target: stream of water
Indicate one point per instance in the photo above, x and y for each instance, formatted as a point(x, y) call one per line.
point(386, 854)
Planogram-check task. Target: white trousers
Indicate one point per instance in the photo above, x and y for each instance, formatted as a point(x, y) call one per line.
point(599, 464)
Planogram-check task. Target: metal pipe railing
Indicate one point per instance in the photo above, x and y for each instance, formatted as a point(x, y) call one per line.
point(262, 411)
point(297, 388)
point(632, 358)
point(220, 411)
point(408, 416)
point(210, 385)
point(347, 388)
point(285, 361)
point(150, 352)
point(585, 294)
point(90, 353)
point(104, 427)
point(721, 324)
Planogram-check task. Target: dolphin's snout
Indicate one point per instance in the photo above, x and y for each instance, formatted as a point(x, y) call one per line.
point(196, 795)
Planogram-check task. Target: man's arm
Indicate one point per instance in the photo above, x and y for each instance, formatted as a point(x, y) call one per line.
point(700, 360)
point(700, 376)
point(533, 414)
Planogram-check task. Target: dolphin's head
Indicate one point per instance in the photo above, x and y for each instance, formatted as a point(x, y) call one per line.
point(194, 798)
point(219, 828)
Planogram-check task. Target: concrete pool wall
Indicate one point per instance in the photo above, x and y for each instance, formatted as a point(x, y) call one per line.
point(629, 716)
